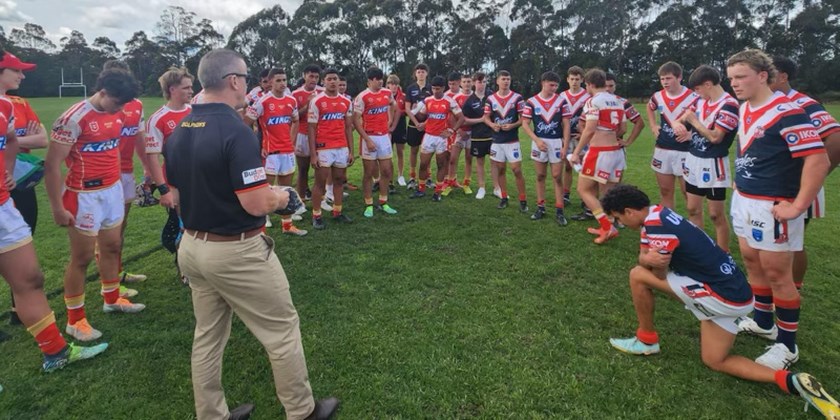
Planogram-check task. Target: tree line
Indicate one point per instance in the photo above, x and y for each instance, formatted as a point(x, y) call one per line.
point(630, 38)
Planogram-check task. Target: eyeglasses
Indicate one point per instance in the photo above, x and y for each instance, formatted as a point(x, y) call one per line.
point(244, 76)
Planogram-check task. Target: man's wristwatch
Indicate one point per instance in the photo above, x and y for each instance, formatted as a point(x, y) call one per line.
point(163, 189)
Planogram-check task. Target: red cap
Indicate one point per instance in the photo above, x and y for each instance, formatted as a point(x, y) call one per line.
point(10, 61)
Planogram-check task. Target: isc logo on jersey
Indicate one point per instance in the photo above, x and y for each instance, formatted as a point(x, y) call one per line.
point(332, 116)
point(129, 131)
point(251, 176)
point(378, 110)
point(285, 119)
point(101, 146)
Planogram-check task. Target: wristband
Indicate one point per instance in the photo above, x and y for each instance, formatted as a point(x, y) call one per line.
point(163, 189)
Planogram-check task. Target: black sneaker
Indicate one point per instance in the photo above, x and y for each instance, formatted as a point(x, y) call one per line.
point(418, 194)
point(412, 184)
point(538, 214)
point(318, 223)
point(375, 187)
point(560, 217)
point(567, 199)
point(503, 203)
point(430, 183)
point(523, 206)
point(243, 412)
point(392, 189)
point(583, 216)
point(436, 197)
point(324, 409)
point(307, 196)
point(343, 218)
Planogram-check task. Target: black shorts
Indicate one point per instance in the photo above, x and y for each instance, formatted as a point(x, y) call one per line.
point(27, 204)
point(713, 194)
point(414, 137)
point(480, 148)
point(398, 136)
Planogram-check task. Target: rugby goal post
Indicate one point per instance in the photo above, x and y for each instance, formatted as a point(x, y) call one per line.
point(65, 84)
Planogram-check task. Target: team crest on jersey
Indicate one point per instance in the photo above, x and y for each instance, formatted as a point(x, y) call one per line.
point(271, 107)
point(759, 132)
point(170, 124)
point(94, 126)
point(671, 104)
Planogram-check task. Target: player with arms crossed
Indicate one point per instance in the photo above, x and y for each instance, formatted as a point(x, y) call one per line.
point(829, 131)
point(550, 116)
point(604, 161)
point(780, 167)
point(276, 115)
point(90, 201)
point(713, 124)
point(373, 111)
point(331, 141)
point(437, 109)
point(679, 260)
point(671, 136)
point(501, 113)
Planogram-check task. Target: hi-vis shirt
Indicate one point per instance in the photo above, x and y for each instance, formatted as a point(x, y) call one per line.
point(670, 109)
point(94, 137)
point(772, 139)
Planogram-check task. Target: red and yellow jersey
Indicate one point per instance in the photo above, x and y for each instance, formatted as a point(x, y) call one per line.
point(275, 116)
point(329, 113)
point(132, 125)
point(605, 109)
point(23, 115)
point(438, 112)
point(7, 121)
point(374, 108)
point(161, 125)
point(94, 138)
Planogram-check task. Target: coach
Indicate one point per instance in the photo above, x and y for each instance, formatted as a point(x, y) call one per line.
point(214, 168)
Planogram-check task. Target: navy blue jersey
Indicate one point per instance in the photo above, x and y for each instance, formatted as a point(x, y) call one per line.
point(575, 104)
point(547, 115)
point(474, 108)
point(414, 94)
point(772, 139)
point(504, 110)
point(722, 114)
point(670, 109)
point(694, 254)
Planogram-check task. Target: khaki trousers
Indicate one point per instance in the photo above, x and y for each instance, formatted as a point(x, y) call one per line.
point(244, 277)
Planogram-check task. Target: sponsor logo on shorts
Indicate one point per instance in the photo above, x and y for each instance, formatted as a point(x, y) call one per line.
point(535, 153)
point(656, 163)
point(251, 176)
point(706, 175)
point(86, 221)
point(758, 235)
point(603, 174)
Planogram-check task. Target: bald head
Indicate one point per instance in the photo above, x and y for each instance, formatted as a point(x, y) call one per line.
point(218, 65)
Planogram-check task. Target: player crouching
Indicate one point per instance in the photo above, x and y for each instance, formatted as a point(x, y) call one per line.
point(683, 262)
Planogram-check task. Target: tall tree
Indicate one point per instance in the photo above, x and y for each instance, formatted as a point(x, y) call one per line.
point(32, 36)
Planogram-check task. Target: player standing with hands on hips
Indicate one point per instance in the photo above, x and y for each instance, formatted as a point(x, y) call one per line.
point(214, 167)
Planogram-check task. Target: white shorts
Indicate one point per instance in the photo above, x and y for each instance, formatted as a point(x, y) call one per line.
point(129, 186)
point(336, 158)
point(383, 148)
point(506, 152)
point(668, 162)
point(604, 164)
point(433, 144)
point(817, 209)
point(464, 142)
point(553, 155)
point(280, 164)
point(752, 219)
point(707, 172)
point(14, 232)
point(302, 145)
point(705, 305)
point(96, 210)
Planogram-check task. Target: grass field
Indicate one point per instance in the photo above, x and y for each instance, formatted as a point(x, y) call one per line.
point(446, 310)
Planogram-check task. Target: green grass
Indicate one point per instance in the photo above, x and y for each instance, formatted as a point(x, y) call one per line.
point(446, 310)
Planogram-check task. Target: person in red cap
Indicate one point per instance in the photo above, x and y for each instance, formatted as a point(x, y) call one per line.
point(18, 263)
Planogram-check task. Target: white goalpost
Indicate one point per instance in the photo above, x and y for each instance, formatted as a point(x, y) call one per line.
point(65, 84)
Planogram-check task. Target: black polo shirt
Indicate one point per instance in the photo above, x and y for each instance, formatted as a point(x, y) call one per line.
point(474, 108)
point(414, 93)
point(210, 157)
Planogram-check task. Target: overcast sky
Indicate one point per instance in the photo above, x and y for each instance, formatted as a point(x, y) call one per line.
point(119, 20)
